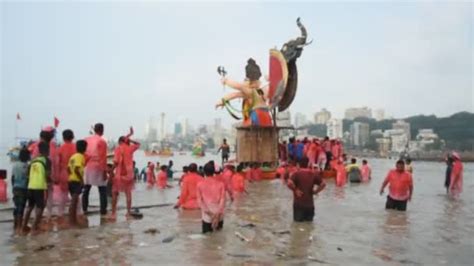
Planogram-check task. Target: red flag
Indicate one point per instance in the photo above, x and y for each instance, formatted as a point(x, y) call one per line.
point(18, 117)
point(56, 122)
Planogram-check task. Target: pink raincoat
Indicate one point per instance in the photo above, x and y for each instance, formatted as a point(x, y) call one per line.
point(188, 197)
point(211, 198)
point(455, 187)
point(365, 172)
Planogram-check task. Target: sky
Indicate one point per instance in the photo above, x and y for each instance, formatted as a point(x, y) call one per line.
point(121, 62)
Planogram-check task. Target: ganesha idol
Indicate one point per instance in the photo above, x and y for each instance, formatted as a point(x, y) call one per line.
point(260, 101)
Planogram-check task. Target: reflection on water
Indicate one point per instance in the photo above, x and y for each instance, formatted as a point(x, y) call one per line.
point(351, 227)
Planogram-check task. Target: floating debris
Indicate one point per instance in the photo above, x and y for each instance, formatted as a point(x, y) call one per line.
point(301, 229)
point(249, 225)
point(242, 237)
point(338, 248)
point(382, 255)
point(280, 254)
point(152, 231)
point(239, 255)
point(92, 247)
point(142, 244)
point(196, 236)
point(45, 247)
point(311, 258)
point(168, 239)
point(281, 232)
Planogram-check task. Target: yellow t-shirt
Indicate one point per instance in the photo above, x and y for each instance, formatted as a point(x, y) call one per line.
point(38, 174)
point(77, 160)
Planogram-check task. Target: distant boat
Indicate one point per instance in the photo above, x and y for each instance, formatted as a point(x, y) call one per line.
point(164, 153)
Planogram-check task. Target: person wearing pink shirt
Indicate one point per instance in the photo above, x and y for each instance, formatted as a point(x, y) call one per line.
point(124, 172)
point(238, 180)
point(400, 189)
point(254, 173)
point(211, 198)
point(456, 180)
point(188, 197)
point(341, 176)
point(96, 168)
point(366, 171)
point(162, 178)
point(66, 151)
point(150, 174)
point(226, 177)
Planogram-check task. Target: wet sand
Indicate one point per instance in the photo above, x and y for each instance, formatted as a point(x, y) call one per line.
point(351, 227)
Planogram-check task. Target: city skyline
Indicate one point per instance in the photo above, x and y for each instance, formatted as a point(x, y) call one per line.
point(128, 61)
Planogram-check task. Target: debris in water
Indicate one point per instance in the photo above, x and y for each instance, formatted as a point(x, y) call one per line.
point(45, 247)
point(249, 225)
point(281, 254)
point(338, 248)
point(196, 236)
point(242, 237)
point(152, 231)
point(310, 238)
point(142, 244)
point(311, 258)
point(382, 254)
point(168, 239)
point(92, 247)
point(282, 232)
point(239, 255)
point(301, 229)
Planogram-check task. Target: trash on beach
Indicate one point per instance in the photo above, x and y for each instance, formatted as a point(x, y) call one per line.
point(168, 239)
point(45, 247)
point(249, 225)
point(311, 258)
point(301, 229)
point(151, 231)
point(242, 237)
point(281, 232)
point(382, 254)
point(196, 236)
point(92, 246)
point(239, 255)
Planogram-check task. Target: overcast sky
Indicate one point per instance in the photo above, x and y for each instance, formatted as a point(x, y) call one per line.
point(119, 63)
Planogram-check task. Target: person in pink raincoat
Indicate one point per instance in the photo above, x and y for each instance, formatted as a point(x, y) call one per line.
point(162, 178)
point(124, 172)
point(150, 175)
point(188, 197)
point(341, 175)
point(366, 171)
point(456, 182)
point(226, 177)
point(66, 151)
point(211, 198)
point(96, 169)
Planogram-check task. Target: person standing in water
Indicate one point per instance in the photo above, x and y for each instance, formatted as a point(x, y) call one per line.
point(366, 171)
point(188, 196)
point(211, 198)
point(400, 189)
point(303, 183)
point(456, 180)
point(76, 165)
point(449, 169)
point(96, 169)
point(225, 151)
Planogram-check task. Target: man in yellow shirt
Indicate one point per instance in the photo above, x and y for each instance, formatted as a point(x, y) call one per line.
point(353, 171)
point(76, 166)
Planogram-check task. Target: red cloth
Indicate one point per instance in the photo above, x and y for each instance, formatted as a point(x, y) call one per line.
point(455, 187)
point(188, 197)
point(3, 190)
point(399, 184)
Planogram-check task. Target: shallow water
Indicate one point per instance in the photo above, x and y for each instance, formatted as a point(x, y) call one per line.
point(351, 228)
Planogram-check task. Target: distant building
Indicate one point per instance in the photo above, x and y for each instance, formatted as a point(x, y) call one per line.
point(383, 145)
point(300, 120)
point(399, 143)
point(352, 113)
point(178, 129)
point(334, 129)
point(151, 129)
point(359, 134)
point(283, 119)
point(322, 117)
point(379, 114)
point(400, 124)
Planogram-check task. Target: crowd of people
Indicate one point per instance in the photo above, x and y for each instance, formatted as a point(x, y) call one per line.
point(47, 173)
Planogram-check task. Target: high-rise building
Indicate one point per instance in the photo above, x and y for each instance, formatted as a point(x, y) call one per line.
point(400, 124)
point(178, 129)
point(185, 127)
point(283, 119)
point(162, 126)
point(334, 128)
point(322, 117)
point(151, 131)
point(352, 113)
point(359, 134)
point(379, 114)
point(300, 120)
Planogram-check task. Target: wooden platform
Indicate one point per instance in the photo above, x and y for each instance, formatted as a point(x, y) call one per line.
point(257, 144)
